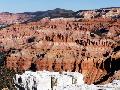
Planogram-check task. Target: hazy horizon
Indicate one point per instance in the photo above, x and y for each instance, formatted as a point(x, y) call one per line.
point(15, 6)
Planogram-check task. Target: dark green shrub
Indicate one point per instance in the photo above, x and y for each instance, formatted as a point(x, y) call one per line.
point(2, 57)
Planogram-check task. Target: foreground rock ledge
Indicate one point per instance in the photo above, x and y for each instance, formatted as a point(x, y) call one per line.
point(45, 80)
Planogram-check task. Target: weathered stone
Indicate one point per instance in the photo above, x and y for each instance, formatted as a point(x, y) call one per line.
point(62, 44)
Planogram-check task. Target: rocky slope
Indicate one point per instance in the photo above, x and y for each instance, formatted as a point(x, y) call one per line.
point(89, 46)
point(112, 12)
point(7, 18)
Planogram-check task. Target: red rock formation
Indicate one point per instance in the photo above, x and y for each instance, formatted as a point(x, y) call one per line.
point(64, 44)
point(10, 18)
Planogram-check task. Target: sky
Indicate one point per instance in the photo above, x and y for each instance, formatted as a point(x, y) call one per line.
point(42, 5)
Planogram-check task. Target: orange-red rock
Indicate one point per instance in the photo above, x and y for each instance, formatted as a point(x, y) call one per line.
point(64, 44)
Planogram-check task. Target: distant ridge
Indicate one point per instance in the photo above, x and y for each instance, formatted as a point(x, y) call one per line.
point(56, 13)
point(109, 7)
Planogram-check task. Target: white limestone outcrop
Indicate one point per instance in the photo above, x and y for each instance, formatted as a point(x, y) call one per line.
point(45, 80)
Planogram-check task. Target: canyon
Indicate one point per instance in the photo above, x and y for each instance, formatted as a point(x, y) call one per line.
point(89, 45)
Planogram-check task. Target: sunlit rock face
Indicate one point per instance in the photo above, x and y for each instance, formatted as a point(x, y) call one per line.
point(7, 18)
point(44, 80)
point(87, 46)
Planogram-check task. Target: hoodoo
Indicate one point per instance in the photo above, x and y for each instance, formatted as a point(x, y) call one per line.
point(90, 46)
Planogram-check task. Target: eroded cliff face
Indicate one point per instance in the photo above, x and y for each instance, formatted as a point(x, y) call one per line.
point(7, 18)
point(90, 47)
point(97, 13)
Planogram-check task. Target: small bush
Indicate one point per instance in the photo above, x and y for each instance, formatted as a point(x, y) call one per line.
point(2, 56)
point(6, 78)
